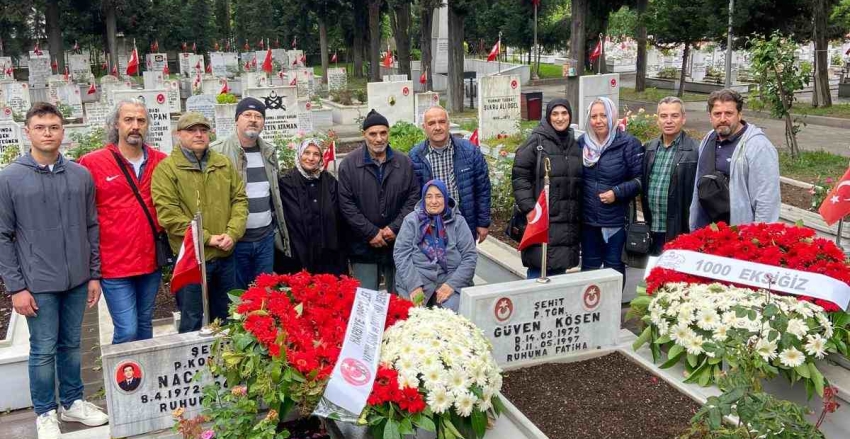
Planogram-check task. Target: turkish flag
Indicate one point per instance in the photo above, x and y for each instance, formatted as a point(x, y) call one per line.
point(537, 231)
point(267, 63)
point(198, 65)
point(473, 139)
point(155, 46)
point(597, 51)
point(165, 70)
point(294, 41)
point(37, 50)
point(224, 88)
point(92, 89)
point(76, 46)
point(330, 154)
point(254, 61)
point(836, 205)
point(187, 269)
point(54, 66)
point(133, 64)
point(262, 44)
point(247, 47)
point(388, 59)
point(67, 75)
point(334, 58)
point(303, 59)
point(423, 79)
point(494, 52)
point(294, 79)
point(115, 71)
point(216, 46)
point(194, 47)
point(183, 46)
point(209, 68)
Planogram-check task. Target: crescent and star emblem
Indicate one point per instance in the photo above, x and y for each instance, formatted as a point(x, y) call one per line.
point(538, 212)
point(835, 198)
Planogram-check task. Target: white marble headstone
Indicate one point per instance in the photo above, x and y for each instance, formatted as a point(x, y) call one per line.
point(498, 105)
point(69, 94)
point(39, 69)
point(172, 87)
point(110, 84)
point(305, 116)
point(5, 65)
point(210, 85)
point(295, 59)
point(394, 100)
point(10, 135)
point(204, 104)
point(224, 64)
point(159, 125)
point(153, 79)
point(281, 110)
point(530, 323)
point(593, 86)
point(424, 101)
point(156, 62)
point(337, 79)
point(96, 113)
point(16, 95)
point(395, 78)
point(80, 67)
point(190, 64)
point(225, 120)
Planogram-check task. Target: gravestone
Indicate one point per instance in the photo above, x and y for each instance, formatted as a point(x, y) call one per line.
point(698, 66)
point(210, 85)
point(395, 78)
point(190, 64)
point(440, 39)
point(10, 136)
point(156, 62)
point(69, 94)
point(95, 113)
point(6, 113)
point(337, 79)
point(281, 110)
point(39, 69)
point(147, 380)
point(16, 95)
point(6, 68)
point(279, 55)
point(304, 82)
point(305, 116)
point(392, 99)
point(254, 80)
point(159, 125)
point(153, 79)
point(224, 64)
point(225, 120)
point(80, 67)
point(123, 60)
point(295, 59)
point(423, 102)
point(204, 104)
point(172, 87)
point(531, 323)
point(498, 106)
point(593, 86)
point(110, 84)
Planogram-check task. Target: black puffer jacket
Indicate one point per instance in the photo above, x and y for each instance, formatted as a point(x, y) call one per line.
point(565, 190)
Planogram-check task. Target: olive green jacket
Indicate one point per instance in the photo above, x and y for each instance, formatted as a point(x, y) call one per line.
point(180, 189)
point(232, 148)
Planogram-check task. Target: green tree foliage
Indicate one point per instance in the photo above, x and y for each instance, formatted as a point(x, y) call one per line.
point(673, 22)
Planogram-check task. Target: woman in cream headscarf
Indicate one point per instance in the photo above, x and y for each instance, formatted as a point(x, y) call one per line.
point(613, 162)
point(309, 198)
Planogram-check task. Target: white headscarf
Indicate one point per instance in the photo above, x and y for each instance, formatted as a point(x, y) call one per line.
point(593, 147)
point(301, 148)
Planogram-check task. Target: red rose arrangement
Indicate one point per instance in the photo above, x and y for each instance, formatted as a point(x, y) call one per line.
point(772, 244)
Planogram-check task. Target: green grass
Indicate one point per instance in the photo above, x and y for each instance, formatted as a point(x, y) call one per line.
point(654, 95)
point(811, 165)
point(550, 71)
point(805, 109)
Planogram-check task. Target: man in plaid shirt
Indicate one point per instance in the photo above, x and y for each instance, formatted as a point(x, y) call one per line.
point(669, 172)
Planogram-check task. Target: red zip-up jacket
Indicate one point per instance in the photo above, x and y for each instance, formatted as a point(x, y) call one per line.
point(126, 240)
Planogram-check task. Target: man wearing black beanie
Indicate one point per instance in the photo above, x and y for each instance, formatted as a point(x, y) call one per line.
point(377, 189)
point(256, 161)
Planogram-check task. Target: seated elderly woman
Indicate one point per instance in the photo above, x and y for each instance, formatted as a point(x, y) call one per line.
point(435, 253)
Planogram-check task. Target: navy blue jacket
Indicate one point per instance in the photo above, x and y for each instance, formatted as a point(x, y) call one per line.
point(471, 176)
point(619, 168)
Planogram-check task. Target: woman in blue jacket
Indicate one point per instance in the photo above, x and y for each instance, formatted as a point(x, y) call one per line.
point(612, 173)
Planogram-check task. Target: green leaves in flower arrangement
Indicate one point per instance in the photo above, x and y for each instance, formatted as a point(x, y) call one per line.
point(404, 136)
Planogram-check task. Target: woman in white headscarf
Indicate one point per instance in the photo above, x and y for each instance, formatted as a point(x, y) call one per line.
point(612, 162)
point(309, 198)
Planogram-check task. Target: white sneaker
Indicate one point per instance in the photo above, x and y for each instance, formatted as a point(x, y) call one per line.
point(47, 425)
point(86, 413)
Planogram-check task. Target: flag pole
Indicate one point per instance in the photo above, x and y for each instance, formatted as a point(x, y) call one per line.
point(499, 52)
point(205, 322)
point(599, 58)
point(547, 166)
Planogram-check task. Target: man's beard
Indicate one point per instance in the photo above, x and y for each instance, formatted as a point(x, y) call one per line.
point(252, 134)
point(134, 139)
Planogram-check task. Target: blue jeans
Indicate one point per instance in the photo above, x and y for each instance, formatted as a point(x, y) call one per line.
point(595, 252)
point(131, 302)
point(55, 334)
point(253, 259)
point(221, 279)
point(534, 273)
point(369, 274)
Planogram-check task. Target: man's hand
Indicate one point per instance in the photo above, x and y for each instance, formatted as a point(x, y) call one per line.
point(94, 292)
point(482, 233)
point(24, 304)
point(443, 293)
point(607, 197)
point(417, 296)
point(388, 234)
point(226, 242)
point(215, 241)
point(378, 240)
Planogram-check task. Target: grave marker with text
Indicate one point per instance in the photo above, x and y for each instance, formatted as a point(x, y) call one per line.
point(498, 106)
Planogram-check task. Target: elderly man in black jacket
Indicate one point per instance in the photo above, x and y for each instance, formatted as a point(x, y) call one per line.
point(669, 172)
point(377, 189)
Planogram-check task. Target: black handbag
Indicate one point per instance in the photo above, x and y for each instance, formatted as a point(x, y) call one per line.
point(518, 223)
point(713, 190)
point(638, 240)
point(164, 255)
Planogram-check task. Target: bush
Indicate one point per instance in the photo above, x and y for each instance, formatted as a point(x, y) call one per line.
point(642, 125)
point(501, 188)
point(669, 73)
point(10, 154)
point(226, 98)
point(84, 143)
point(404, 135)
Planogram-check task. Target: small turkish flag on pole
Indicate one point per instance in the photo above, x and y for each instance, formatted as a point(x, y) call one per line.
point(294, 80)
point(294, 41)
point(836, 205)
point(473, 139)
point(334, 58)
point(209, 68)
point(133, 64)
point(165, 71)
point(388, 59)
point(92, 89)
point(494, 52)
point(224, 88)
point(254, 61)
point(423, 78)
point(187, 269)
point(54, 66)
point(597, 51)
point(115, 71)
point(267, 63)
point(537, 230)
point(67, 75)
point(330, 155)
point(37, 50)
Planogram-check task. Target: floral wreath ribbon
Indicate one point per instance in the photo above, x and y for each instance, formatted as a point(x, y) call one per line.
point(754, 274)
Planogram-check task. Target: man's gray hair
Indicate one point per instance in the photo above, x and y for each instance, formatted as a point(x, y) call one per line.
point(671, 100)
point(433, 107)
point(112, 118)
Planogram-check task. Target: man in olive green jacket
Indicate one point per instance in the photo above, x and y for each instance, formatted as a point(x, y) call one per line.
point(194, 178)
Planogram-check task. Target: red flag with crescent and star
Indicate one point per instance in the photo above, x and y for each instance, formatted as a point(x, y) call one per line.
point(836, 205)
point(92, 89)
point(494, 52)
point(133, 63)
point(537, 230)
point(187, 269)
point(267, 62)
point(334, 58)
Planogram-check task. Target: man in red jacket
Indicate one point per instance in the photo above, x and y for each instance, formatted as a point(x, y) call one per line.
point(128, 227)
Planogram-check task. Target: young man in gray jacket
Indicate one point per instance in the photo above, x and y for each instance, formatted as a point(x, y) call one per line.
point(50, 263)
point(744, 159)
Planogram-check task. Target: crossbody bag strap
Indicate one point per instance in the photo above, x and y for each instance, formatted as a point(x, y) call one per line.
point(135, 192)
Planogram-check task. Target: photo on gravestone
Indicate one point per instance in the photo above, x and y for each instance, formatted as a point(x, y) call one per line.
point(129, 376)
point(498, 106)
point(392, 99)
point(530, 322)
point(281, 110)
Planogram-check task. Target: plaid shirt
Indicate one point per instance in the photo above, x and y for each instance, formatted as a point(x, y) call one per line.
point(442, 166)
point(659, 183)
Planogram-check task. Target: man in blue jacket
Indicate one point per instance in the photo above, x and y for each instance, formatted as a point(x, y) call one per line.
point(50, 264)
point(459, 164)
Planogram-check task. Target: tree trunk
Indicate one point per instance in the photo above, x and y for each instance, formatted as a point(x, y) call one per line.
point(323, 47)
point(822, 95)
point(375, 40)
point(54, 33)
point(426, 18)
point(111, 30)
point(401, 29)
point(685, 54)
point(222, 18)
point(454, 98)
point(360, 22)
point(578, 18)
point(640, 76)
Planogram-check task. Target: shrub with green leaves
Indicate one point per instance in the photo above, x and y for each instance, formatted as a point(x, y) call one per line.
point(404, 136)
point(84, 143)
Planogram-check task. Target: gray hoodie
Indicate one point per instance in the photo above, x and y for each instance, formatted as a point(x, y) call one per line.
point(49, 234)
point(753, 182)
